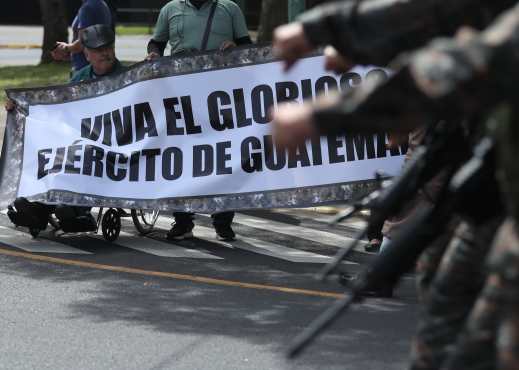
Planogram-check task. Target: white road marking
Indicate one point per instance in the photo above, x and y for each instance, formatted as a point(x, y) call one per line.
point(259, 246)
point(319, 236)
point(353, 222)
point(157, 248)
point(263, 247)
point(24, 241)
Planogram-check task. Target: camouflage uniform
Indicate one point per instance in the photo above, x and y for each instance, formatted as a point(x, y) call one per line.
point(452, 294)
point(490, 339)
point(490, 336)
point(475, 75)
point(375, 32)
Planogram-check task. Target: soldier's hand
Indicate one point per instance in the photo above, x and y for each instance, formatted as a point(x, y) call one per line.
point(153, 55)
point(290, 43)
point(9, 105)
point(333, 61)
point(227, 45)
point(292, 124)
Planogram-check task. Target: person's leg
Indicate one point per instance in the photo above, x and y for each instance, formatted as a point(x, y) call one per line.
point(504, 262)
point(427, 264)
point(449, 297)
point(183, 226)
point(374, 234)
point(222, 225)
point(385, 243)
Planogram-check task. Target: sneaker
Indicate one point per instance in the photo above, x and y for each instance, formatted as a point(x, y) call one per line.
point(224, 233)
point(180, 231)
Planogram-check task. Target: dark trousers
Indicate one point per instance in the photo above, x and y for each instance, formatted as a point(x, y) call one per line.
point(219, 219)
point(375, 231)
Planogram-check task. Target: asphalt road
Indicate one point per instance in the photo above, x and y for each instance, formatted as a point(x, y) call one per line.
point(78, 302)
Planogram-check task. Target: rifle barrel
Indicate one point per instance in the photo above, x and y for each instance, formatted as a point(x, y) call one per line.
point(341, 255)
point(318, 325)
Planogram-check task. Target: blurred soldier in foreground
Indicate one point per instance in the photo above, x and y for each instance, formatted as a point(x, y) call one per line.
point(430, 76)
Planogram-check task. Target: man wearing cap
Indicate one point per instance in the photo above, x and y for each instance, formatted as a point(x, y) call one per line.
point(98, 42)
point(99, 48)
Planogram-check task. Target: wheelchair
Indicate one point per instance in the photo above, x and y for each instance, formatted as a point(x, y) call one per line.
point(36, 216)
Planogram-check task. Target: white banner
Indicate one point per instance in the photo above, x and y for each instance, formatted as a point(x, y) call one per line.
point(189, 135)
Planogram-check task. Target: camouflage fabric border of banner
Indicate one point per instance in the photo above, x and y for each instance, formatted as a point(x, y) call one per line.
point(12, 150)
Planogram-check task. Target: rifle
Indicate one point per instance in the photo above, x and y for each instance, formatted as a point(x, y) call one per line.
point(415, 236)
point(427, 161)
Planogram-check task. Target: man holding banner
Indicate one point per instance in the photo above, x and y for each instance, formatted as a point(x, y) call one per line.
point(198, 25)
point(98, 42)
point(190, 26)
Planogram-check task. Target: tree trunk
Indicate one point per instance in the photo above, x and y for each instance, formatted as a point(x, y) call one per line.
point(55, 26)
point(273, 13)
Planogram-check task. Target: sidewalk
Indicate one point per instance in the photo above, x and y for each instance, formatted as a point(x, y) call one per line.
point(21, 45)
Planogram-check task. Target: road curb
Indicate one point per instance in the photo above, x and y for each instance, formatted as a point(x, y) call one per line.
point(20, 46)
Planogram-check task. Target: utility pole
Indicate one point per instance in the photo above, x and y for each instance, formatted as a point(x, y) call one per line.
point(295, 7)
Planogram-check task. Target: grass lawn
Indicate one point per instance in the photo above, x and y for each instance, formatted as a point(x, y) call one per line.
point(133, 30)
point(32, 76)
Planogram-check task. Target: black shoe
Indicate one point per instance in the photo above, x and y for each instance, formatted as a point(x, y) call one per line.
point(373, 246)
point(384, 290)
point(224, 233)
point(181, 231)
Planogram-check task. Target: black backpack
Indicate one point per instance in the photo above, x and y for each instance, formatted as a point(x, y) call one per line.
point(33, 215)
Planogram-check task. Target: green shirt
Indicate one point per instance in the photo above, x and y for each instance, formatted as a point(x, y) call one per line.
point(87, 73)
point(183, 25)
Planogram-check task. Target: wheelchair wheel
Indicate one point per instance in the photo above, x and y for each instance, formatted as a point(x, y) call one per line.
point(144, 220)
point(111, 225)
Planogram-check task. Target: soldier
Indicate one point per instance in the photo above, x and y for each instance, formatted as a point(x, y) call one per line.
point(291, 43)
point(393, 27)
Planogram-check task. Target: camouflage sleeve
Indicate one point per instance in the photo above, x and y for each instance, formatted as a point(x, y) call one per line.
point(450, 77)
point(472, 67)
point(375, 31)
point(375, 107)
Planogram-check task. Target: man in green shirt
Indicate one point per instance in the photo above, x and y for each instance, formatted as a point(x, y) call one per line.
point(188, 27)
point(184, 22)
